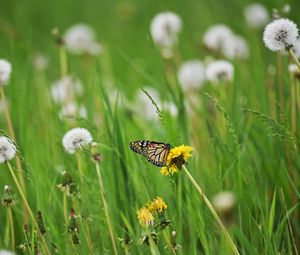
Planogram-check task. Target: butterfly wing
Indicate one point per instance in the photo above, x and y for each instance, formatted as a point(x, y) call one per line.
point(157, 153)
point(139, 147)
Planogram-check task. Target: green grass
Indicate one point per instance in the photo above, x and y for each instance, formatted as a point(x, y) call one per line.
point(254, 155)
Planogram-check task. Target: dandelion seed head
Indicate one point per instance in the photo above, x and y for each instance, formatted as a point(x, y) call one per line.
point(7, 149)
point(144, 107)
point(5, 71)
point(286, 8)
point(256, 15)
point(215, 37)
point(191, 74)
point(80, 38)
point(171, 108)
point(5, 252)
point(294, 70)
point(235, 47)
point(76, 139)
point(71, 110)
point(95, 49)
point(219, 71)
point(66, 89)
point(40, 62)
point(281, 34)
point(164, 29)
point(224, 201)
point(145, 217)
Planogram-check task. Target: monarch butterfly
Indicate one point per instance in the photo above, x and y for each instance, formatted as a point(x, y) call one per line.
point(155, 152)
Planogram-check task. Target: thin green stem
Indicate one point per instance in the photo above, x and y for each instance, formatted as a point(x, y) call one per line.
point(79, 165)
point(293, 105)
point(212, 210)
point(12, 229)
point(28, 208)
point(89, 239)
point(109, 225)
point(153, 250)
point(63, 61)
point(12, 134)
point(65, 205)
point(6, 236)
point(167, 239)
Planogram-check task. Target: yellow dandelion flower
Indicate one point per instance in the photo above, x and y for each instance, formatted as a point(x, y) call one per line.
point(157, 205)
point(176, 158)
point(145, 217)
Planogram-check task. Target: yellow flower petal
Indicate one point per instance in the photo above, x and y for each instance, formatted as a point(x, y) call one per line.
point(145, 217)
point(157, 205)
point(176, 158)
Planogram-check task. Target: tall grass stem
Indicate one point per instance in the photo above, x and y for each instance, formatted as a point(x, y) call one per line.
point(212, 210)
point(28, 209)
point(105, 206)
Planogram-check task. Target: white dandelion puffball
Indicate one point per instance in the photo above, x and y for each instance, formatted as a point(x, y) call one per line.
point(219, 71)
point(71, 110)
point(143, 105)
point(256, 15)
point(79, 38)
point(215, 36)
point(5, 71)
point(191, 74)
point(171, 108)
point(95, 49)
point(7, 149)
point(5, 252)
point(76, 139)
point(40, 62)
point(66, 89)
point(294, 70)
point(235, 47)
point(164, 29)
point(281, 34)
point(224, 201)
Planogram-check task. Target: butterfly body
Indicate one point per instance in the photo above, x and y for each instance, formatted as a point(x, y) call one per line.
point(155, 152)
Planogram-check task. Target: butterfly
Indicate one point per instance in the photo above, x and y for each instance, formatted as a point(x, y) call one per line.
point(155, 152)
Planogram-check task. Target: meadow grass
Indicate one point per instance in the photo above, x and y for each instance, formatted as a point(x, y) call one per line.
point(243, 142)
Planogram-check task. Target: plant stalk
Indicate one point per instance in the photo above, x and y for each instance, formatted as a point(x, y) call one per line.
point(212, 210)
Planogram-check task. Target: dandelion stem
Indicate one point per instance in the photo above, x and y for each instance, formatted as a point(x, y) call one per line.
point(109, 225)
point(65, 208)
point(151, 242)
point(79, 165)
point(28, 208)
point(27, 242)
point(294, 57)
point(12, 229)
point(293, 104)
point(89, 239)
point(212, 210)
point(6, 237)
point(280, 82)
point(12, 134)
point(63, 61)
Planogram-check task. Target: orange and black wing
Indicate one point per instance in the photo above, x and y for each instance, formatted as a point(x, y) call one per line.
point(157, 153)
